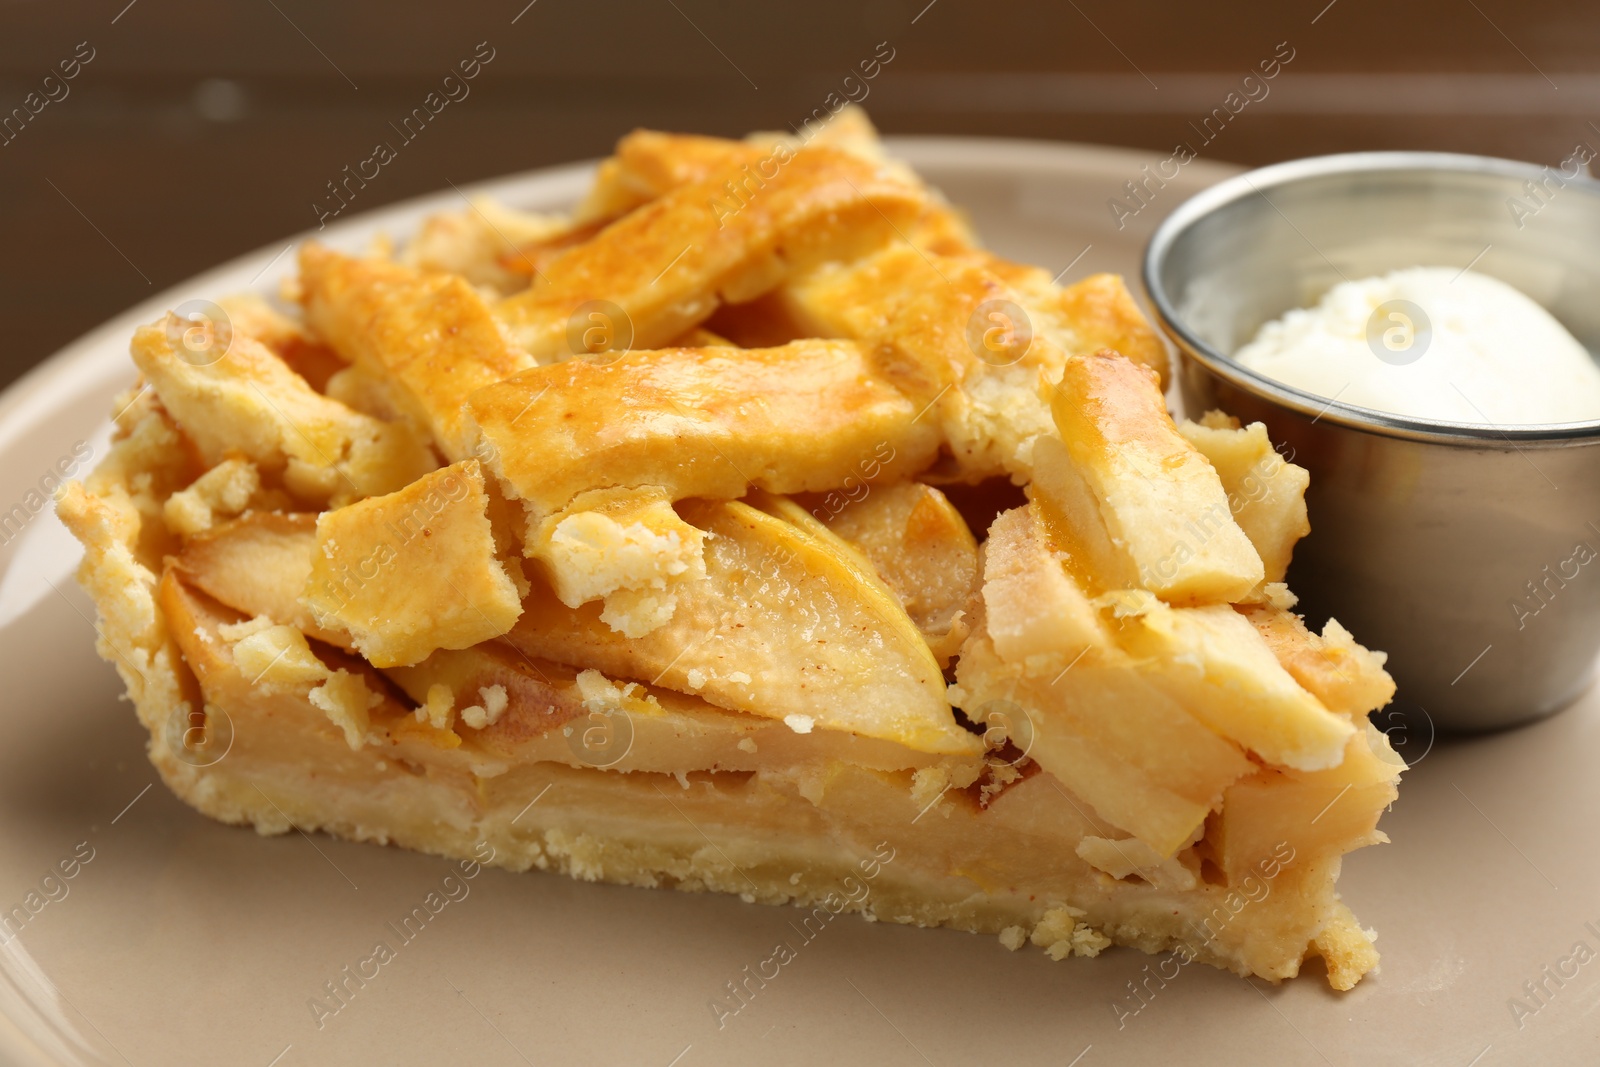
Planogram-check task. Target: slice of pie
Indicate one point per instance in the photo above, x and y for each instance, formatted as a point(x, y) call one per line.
point(751, 530)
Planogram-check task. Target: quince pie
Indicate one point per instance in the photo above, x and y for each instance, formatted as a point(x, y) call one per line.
point(749, 519)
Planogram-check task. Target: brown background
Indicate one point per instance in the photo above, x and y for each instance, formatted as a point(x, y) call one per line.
point(201, 131)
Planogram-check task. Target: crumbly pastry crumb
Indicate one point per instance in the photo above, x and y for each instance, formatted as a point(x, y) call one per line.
point(928, 785)
point(221, 492)
point(348, 703)
point(495, 701)
point(629, 551)
point(274, 656)
point(1061, 933)
point(438, 710)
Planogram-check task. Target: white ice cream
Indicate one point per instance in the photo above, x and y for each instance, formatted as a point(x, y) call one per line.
point(1479, 351)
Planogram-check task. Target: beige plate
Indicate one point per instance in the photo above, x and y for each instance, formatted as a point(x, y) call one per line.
point(185, 942)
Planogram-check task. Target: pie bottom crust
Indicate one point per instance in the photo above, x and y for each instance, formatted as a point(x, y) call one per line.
point(1009, 869)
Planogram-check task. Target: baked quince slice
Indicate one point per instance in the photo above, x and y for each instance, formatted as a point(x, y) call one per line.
point(258, 564)
point(1266, 492)
point(1344, 675)
point(927, 564)
point(246, 667)
point(783, 625)
point(1215, 663)
point(790, 511)
point(1318, 813)
point(522, 710)
point(920, 546)
point(1160, 512)
point(1043, 665)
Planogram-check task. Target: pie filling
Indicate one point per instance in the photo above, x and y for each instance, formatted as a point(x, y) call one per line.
point(787, 545)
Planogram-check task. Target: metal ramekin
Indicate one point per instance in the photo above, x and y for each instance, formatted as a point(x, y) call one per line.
point(1454, 547)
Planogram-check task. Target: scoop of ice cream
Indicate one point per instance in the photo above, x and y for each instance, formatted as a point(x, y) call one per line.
point(1433, 343)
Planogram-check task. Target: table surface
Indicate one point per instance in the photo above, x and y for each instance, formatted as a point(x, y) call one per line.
point(183, 941)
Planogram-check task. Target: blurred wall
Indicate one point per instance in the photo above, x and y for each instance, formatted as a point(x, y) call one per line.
point(192, 132)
